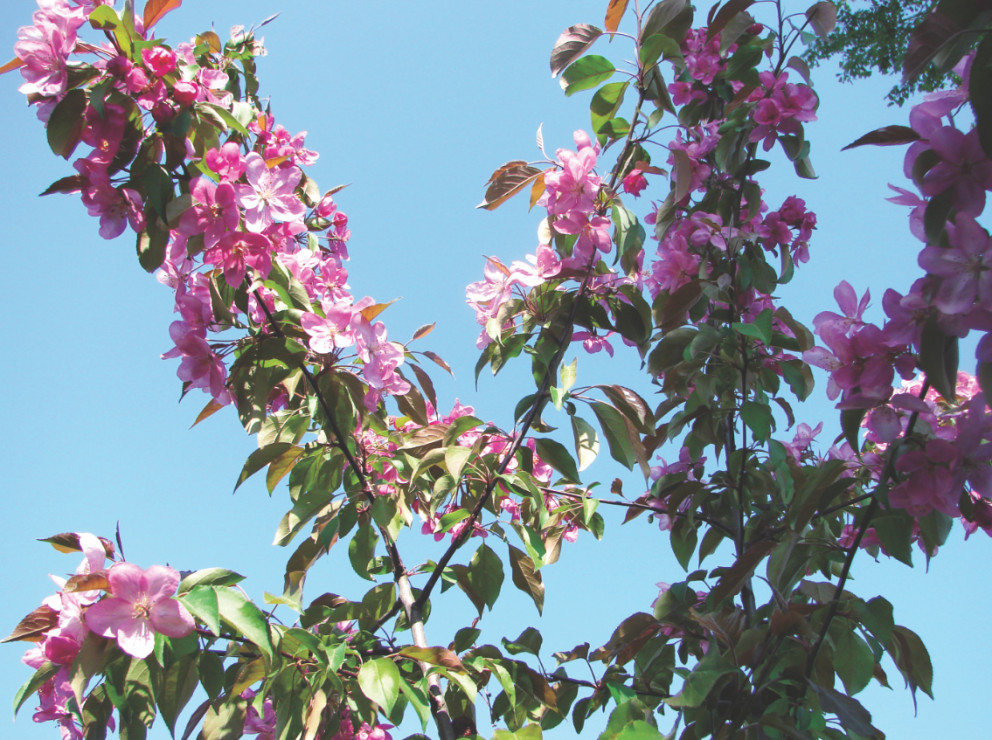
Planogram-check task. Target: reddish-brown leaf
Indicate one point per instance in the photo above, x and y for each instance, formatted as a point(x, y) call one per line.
point(69, 542)
point(822, 17)
point(436, 359)
point(734, 577)
point(925, 42)
point(372, 311)
point(572, 43)
point(210, 409)
point(155, 9)
point(885, 136)
point(614, 12)
point(424, 331)
point(10, 66)
point(33, 627)
point(506, 182)
point(433, 655)
point(725, 14)
point(87, 582)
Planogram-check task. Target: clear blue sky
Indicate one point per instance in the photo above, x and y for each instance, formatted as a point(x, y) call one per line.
point(413, 104)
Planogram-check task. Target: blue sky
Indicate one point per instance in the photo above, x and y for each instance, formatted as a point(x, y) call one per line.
point(414, 106)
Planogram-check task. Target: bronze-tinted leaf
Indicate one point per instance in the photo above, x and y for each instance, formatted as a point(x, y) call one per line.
point(10, 66)
point(87, 582)
point(885, 136)
point(572, 43)
point(614, 12)
point(433, 655)
point(506, 182)
point(822, 17)
point(33, 627)
point(155, 9)
point(725, 15)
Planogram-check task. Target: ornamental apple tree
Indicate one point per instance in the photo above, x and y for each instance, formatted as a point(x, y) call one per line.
point(174, 144)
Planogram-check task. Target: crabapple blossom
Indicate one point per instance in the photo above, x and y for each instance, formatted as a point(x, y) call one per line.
point(140, 604)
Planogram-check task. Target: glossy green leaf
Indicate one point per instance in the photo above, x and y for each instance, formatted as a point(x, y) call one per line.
point(485, 574)
point(379, 680)
point(209, 577)
point(65, 125)
point(202, 603)
point(853, 660)
point(245, 617)
point(586, 73)
point(701, 680)
point(555, 455)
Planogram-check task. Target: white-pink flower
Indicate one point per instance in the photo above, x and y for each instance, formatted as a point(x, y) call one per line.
point(140, 604)
point(269, 195)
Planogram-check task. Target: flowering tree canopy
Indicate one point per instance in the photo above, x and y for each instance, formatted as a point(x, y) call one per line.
point(174, 144)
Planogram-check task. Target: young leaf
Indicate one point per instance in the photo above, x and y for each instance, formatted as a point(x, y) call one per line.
point(506, 182)
point(379, 680)
point(822, 17)
point(572, 43)
point(154, 10)
point(614, 12)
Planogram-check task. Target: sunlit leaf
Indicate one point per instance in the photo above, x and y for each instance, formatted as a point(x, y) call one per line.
point(154, 10)
point(379, 680)
point(506, 182)
point(614, 12)
point(572, 43)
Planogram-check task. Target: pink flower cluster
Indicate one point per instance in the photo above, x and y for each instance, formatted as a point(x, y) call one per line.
point(139, 605)
point(780, 107)
point(247, 209)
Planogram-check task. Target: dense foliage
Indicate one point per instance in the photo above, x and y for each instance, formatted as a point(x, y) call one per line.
point(769, 642)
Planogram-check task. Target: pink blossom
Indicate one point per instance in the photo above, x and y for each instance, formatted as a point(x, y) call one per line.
point(235, 252)
point(226, 161)
point(140, 604)
point(45, 48)
point(331, 331)
point(634, 183)
point(269, 194)
point(964, 266)
point(200, 366)
point(214, 212)
point(963, 169)
point(160, 60)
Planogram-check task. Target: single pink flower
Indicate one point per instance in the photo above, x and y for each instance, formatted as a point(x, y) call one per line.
point(140, 604)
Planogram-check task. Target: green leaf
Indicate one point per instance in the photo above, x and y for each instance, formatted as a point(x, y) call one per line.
point(850, 423)
point(245, 617)
point(485, 574)
point(34, 683)
point(555, 455)
point(758, 417)
point(849, 711)
point(939, 358)
point(979, 83)
point(379, 680)
point(221, 117)
point(586, 441)
point(624, 443)
point(586, 73)
point(262, 457)
point(701, 681)
point(202, 603)
point(209, 577)
point(65, 125)
point(361, 549)
point(853, 661)
point(418, 700)
point(526, 578)
point(223, 721)
point(605, 103)
point(174, 690)
point(529, 641)
point(912, 659)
